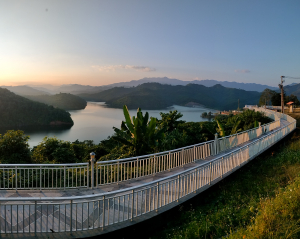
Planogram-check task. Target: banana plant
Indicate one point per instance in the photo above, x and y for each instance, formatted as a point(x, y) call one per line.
point(221, 129)
point(235, 127)
point(138, 132)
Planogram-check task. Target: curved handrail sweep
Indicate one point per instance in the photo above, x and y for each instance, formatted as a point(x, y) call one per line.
point(69, 176)
point(106, 210)
point(44, 176)
point(116, 171)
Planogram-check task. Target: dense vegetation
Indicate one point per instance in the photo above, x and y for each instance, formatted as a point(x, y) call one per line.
point(17, 111)
point(138, 135)
point(63, 101)
point(271, 97)
point(157, 96)
point(229, 206)
point(261, 200)
point(293, 90)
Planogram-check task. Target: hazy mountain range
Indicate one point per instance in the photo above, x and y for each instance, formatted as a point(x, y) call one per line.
point(149, 93)
point(207, 83)
point(157, 96)
point(42, 89)
point(25, 90)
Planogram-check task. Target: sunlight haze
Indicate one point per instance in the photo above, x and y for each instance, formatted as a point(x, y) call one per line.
point(104, 42)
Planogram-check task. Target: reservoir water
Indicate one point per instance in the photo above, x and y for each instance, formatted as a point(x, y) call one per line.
point(95, 122)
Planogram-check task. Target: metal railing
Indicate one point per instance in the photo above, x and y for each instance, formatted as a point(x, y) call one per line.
point(44, 176)
point(57, 176)
point(79, 213)
point(115, 171)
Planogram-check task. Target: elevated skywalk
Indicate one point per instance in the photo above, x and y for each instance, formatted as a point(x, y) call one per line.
point(85, 212)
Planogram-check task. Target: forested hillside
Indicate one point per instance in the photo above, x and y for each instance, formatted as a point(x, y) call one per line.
point(63, 101)
point(157, 96)
point(17, 111)
point(292, 90)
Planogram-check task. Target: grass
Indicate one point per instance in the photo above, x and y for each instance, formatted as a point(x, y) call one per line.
point(236, 201)
point(254, 202)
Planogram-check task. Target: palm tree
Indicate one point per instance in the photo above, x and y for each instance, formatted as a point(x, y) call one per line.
point(138, 132)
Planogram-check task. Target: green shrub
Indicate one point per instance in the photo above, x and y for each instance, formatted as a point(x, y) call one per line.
point(14, 147)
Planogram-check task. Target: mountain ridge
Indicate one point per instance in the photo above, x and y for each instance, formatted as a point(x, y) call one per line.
point(80, 89)
point(17, 111)
point(157, 96)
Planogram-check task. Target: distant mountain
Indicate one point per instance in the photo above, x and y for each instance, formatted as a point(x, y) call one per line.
point(292, 89)
point(157, 96)
point(70, 88)
point(63, 101)
point(207, 83)
point(24, 90)
point(81, 89)
point(17, 111)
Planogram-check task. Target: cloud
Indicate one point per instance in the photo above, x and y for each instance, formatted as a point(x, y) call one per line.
point(127, 67)
point(242, 71)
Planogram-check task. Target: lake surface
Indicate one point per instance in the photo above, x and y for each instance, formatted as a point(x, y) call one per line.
point(95, 122)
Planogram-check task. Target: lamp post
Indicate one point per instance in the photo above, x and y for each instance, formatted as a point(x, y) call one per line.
point(281, 88)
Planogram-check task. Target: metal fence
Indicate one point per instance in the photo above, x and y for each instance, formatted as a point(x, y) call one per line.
point(115, 171)
point(44, 176)
point(79, 213)
point(57, 176)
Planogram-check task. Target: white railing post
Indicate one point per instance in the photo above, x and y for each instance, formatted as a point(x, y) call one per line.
point(260, 128)
point(16, 174)
point(71, 215)
point(216, 143)
point(40, 178)
point(92, 154)
point(65, 177)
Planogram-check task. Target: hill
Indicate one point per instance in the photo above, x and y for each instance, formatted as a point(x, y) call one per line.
point(17, 111)
point(156, 96)
point(207, 83)
point(70, 88)
point(293, 89)
point(63, 101)
point(25, 90)
point(87, 89)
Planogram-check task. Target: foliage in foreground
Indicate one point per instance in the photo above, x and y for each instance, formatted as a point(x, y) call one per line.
point(14, 147)
point(254, 198)
point(136, 136)
point(138, 132)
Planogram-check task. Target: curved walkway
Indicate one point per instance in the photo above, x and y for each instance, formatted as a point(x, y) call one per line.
point(82, 212)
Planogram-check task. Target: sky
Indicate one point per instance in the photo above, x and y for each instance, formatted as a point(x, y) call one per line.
point(99, 42)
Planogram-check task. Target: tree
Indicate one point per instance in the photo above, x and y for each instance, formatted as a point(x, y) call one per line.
point(232, 124)
point(169, 121)
point(292, 98)
point(276, 99)
point(55, 151)
point(266, 97)
point(14, 147)
point(138, 132)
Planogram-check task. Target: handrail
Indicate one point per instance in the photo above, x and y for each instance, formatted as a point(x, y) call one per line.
point(138, 186)
point(105, 210)
point(118, 170)
point(44, 164)
point(44, 176)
